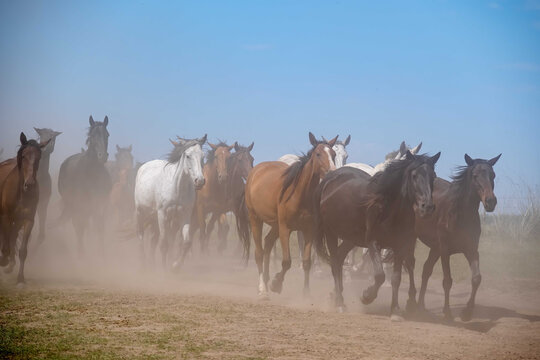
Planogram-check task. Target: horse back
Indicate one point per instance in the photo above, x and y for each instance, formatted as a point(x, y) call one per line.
point(263, 188)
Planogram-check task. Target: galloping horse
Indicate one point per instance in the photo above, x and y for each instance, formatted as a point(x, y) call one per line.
point(455, 225)
point(369, 211)
point(212, 197)
point(19, 196)
point(281, 196)
point(44, 178)
point(165, 193)
point(85, 184)
point(228, 197)
point(123, 180)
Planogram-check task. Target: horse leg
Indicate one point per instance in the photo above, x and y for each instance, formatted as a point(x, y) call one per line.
point(426, 273)
point(223, 230)
point(23, 251)
point(99, 223)
point(5, 230)
point(210, 228)
point(165, 226)
point(140, 236)
point(203, 235)
point(447, 282)
point(395, 311)
point(269, 242)
point(371, 292)
point(13, 233)
point(79, 224)
point(277, 283)
point(306, 258)
point(42, 215)
point(474, 264)
point(301, 242)
point(256, 229)
point(337, 259)
point(411, 302)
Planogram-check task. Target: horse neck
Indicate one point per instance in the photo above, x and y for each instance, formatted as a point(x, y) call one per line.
point(468, 201)
point(308, 181)
point(179, 174)
point(44, 164)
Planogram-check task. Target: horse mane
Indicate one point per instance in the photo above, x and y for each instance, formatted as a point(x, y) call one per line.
point(176, 153)
point(388, 183)
point(291, 176)
point(211, 155)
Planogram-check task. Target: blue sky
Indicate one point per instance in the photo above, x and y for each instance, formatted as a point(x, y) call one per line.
point(461, 76)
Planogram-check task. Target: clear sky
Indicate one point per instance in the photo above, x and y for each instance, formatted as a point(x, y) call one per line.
point(461, 76)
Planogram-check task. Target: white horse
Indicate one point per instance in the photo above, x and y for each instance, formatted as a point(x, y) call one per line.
point(339, 148)
point(165, 193)
point(394, 155)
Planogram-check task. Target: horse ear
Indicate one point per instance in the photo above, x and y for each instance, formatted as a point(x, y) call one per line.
point(409, 155)
point(417, 148)
point(250, 147)
point(468, 160)
point(236, 148)
point(232, 146)
point(203, 140)
point(402, 148)
point(130, 147)
point(23, 139)
point(333, 141)
point(312, 139)
point(347, 140)
point(106, 121)
point(38, 131)
point(174, 142)
point(44, 143)
point(494, 160)
point(214, 147)
point(117, 147)
point(433, 160)
point(56, 133)
point(91, 121)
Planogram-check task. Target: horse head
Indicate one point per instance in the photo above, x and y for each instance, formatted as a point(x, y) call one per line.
point(28, 157)
point(481, 177)
point(98, 139)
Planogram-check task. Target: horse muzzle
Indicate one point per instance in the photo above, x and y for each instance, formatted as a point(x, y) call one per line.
point(490, 203)
point(199, 183)
point(424, 209)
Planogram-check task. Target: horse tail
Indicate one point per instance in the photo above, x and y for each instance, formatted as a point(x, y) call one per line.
point(319, 237)
point(242, 225)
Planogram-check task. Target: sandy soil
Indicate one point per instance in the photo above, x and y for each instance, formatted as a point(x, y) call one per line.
point(211, 310)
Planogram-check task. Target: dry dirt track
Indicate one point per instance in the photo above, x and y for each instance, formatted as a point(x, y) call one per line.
point(210, 310)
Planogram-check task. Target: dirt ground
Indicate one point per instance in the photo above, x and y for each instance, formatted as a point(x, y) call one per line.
point(110, 308)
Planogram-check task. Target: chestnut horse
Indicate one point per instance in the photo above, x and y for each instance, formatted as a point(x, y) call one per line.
point(212, 197)
point(19, 196)
point(239, 164)
point(455, 225)
point(371, 212)
point(44, 178)
point(282, 196)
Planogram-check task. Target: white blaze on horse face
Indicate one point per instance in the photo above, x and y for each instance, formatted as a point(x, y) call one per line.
point(193, 157)
point(331, 164)
point(341, 155)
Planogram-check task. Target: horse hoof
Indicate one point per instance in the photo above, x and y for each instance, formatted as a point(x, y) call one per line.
point(21, 284)
point(341, 309)
point(396, 318)
point(448, 317)
point(306, 294)
point(366, 298)
point(276, 286)
point(411, 306)
point(263, 296)
point(466, 314)
point(4, 260)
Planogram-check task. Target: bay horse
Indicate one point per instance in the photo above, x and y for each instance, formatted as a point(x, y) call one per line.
point(370, 212)
point(455, 226)
point(123, 183)
point(44, 178)
point(19, 196)
point(212, 197)
point(239, 164)
point(84, 185)
point(281, 196)
point(165, 194)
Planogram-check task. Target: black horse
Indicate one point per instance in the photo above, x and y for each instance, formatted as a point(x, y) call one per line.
point(370, 212)
point(44, 178)
point(85, 184)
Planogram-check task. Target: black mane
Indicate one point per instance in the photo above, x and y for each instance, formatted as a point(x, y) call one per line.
point(176, 153)
point(292, 173)
point(95, 126)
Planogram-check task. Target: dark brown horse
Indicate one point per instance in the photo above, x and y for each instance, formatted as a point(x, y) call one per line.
point(282, 196)
point(212, 197)
point(122, 173)
point(373, 212)
point(19, 196)
point(85, 184)
point(44, 178)
point(239, 164)
point(455, 225)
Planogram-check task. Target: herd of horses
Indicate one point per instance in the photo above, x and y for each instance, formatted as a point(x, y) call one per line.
point(332, 205)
